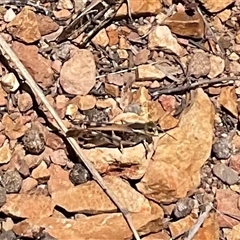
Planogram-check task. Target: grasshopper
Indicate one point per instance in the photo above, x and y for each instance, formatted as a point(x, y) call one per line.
point(92, 134)
point(103, 11)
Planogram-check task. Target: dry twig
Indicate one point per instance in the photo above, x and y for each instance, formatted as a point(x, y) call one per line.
point(96, 176)
point(194, 229)
point(224, 80)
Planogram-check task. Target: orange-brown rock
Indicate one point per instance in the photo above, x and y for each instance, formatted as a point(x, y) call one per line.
point(25, 26)
point(210, 229)
point(134, 158)
point(138, 7)
point(14, 129)
point(38, 66)
point(180, 155)
point(59, 179)
point(28, 206)
point(162, 37)
point(181, 226)
point(28, 184)
point(186, 25)
point(46, 25)
point(227, 202)
point(228, 100)
point(108, 226)
point(90, 198)
point(216, 6)
point(81, 66)
point(160, 235)
point(41, 173)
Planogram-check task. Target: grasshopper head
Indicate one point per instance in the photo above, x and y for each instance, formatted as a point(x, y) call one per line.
point(151, 129)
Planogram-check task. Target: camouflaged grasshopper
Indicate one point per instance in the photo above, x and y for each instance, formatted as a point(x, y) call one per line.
point(92, 134)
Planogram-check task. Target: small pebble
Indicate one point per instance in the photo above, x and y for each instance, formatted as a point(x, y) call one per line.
point(222, 148)
point(9, 15)
point(183, 207)
point(62, 53)
point(33, 141)
point(96, 115)
point(8, 235)
point(12, 181)
point(79, 174)
point(10, 83)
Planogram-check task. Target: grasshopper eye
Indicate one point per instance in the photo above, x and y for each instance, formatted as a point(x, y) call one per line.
point(151, 128)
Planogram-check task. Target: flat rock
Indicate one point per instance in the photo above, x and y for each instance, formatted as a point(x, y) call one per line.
point(91, 199)
point(184, 24)
point(9, 15)
point(148, 71)
point(140, 7)
point(62, 15)
point(25, 26)
point(38, 66)
point(181, 226)
point(9, 82)
point(227, 202)
point(53, 141)
point(28, 206)
point(161, 37)
point(25, 102)
point(180, 159)
point(222, 148)
point(235, 163)
point(66, 4)
point(7, 225)
point(101, 38)
point(217, 66)
point(28, 184)
point(77, 75)
point(113, 37)
point(104, 159)
point(59, 179)
point(41, 172)
point(216, 6)
point(34, 160)
point(141, 57)
point(160, 235)
point(199, 65)
point(46, 25)
point(209, 230)
point(59, 157)
point(225, 173)
point(108, 226)
point(14, 129)
point(86, 102)
point(228, 99)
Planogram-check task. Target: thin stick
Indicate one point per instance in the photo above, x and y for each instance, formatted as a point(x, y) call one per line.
point(96, 176)
point(158, 91)
point(194, 229)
